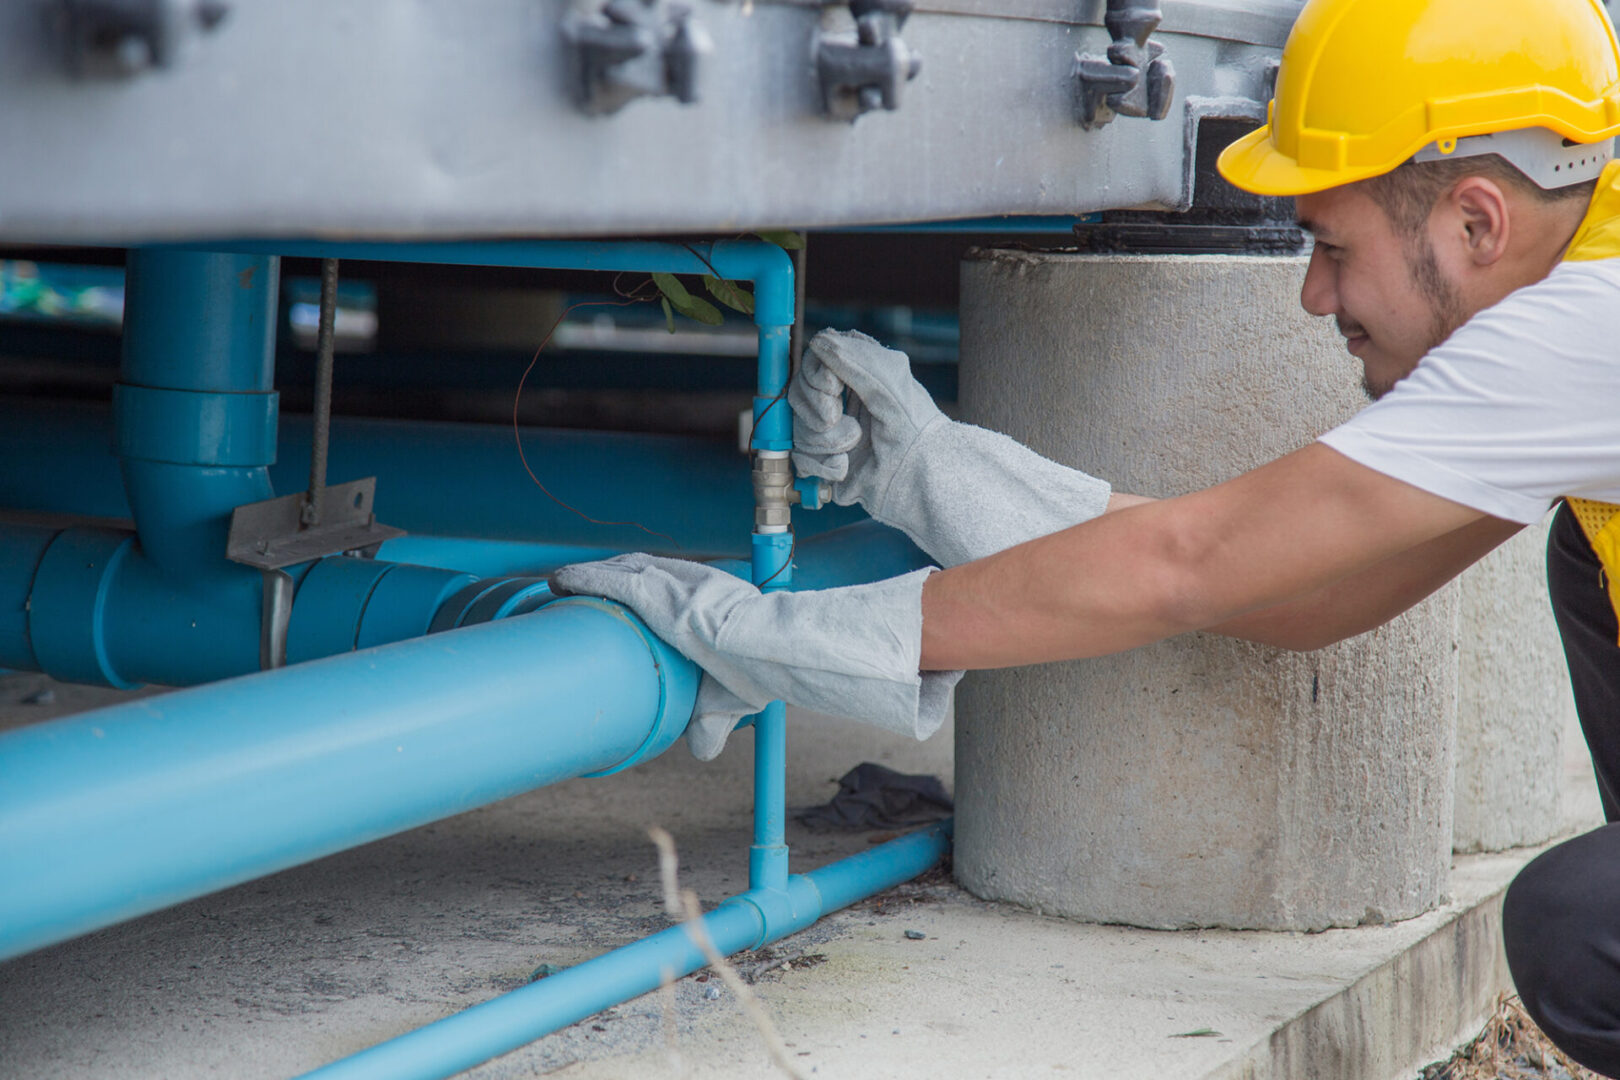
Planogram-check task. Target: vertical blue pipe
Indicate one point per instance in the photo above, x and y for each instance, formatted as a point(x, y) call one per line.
point(206, 320)
point(772, 273)
point(768, 856)
point(195, 409)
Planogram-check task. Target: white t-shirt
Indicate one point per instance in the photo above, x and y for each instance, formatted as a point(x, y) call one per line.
point(1519, 407)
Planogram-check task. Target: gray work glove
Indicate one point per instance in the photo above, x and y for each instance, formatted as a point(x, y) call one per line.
point(851, 651)
point(960, 492)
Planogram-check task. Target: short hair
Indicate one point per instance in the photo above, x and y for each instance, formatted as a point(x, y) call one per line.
point(1408, 193)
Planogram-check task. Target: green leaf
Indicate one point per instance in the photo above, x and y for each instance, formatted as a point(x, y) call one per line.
point(669, 316)
point(693, 307)
point(729, 293)
point(671, 286)
point(785, 239)
point(701, 310)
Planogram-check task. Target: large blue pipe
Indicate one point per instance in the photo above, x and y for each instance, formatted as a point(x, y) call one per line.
point(748, 921)
point(120, 811)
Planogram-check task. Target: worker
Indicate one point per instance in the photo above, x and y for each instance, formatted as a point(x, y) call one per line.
point(1451, 159)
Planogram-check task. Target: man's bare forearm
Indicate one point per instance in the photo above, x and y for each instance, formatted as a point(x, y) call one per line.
point(1151, 571)
point(1372, 597)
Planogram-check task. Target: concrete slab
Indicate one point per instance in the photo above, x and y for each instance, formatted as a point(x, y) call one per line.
point(278, 976)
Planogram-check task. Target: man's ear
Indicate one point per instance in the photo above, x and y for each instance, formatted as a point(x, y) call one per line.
point(1480, 209)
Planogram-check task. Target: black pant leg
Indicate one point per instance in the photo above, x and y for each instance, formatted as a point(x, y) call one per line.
point(1561, 916)
point(1561, 926)
point(1587, 624)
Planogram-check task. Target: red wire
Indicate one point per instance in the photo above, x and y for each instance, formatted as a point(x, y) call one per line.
point(517, 431)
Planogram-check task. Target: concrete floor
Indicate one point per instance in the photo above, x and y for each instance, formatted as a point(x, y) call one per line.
point(281, 975)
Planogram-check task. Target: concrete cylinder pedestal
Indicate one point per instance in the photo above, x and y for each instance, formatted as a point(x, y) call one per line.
point(1200, 781)
point(1514, 706)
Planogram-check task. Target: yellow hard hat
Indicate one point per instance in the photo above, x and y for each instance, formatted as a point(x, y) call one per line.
point(1365, 84)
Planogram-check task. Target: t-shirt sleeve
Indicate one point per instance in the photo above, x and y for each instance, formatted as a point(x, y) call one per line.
point(1518, 408)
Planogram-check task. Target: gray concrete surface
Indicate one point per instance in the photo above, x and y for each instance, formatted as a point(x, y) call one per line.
point(1514, 707)
point(1200, 781)
point(277, 976)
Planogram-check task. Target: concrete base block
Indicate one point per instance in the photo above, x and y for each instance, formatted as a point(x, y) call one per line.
point(1200, 781)
point(1514, 705)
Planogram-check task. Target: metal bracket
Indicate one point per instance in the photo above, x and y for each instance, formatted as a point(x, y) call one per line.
point(269, 535)
point(634, 48)
point(866, 72)
point(1135, 78)
point(121, 38)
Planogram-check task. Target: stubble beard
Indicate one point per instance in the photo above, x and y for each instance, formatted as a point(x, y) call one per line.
point(1446, 310)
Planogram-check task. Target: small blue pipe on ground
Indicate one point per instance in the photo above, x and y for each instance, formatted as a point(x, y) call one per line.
point(521, 1016)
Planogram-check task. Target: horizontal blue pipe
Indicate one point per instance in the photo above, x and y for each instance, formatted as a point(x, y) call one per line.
point(758, 261)
point(851, 555)
point(441, 479)
point(489, 558)
point(514, 1019)
point(846, 881)
point(85, 604)
point(116, 812)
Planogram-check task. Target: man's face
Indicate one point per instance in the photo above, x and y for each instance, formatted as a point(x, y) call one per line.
point(1391, 298)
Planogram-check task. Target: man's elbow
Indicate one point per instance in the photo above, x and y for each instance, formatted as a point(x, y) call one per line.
point(1176, 594)
point(1293, 631)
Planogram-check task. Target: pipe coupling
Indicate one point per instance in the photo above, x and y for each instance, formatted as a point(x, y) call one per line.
point(773, 491)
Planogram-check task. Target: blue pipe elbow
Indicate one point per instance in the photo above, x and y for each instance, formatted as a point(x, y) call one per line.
point(768, 267)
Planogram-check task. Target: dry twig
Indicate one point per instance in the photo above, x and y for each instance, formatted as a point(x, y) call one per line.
point(682, 904)
point(1511, 1047)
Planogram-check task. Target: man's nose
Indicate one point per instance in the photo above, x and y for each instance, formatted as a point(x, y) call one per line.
point(1319, 294)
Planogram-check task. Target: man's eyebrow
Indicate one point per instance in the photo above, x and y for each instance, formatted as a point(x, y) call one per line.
point(1308, 225)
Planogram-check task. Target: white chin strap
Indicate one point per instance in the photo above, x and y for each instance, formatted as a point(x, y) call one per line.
point(1543, 155)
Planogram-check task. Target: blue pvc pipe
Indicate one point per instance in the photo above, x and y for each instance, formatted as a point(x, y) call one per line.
point(440, 479)
point(21, 549)
point(489, 558)
point(195, 412)
point(113, 813)
point(851, 555)
point(116, 812)
point(758, 261)
point(194, 422)
point(518, 1017)
point(206, 320)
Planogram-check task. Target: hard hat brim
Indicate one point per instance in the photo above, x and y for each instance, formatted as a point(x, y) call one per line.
point(1254, 164)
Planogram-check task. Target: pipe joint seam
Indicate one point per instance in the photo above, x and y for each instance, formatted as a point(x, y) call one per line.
point(783, 912)
point(195, 427)
point(67, 605)
point(677, 685)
